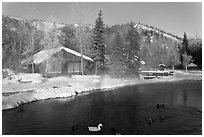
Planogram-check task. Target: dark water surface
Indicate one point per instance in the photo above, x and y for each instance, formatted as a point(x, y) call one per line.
point(126, 109)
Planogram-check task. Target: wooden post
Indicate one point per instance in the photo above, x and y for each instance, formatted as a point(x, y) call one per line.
point(33, 69)
point(186, 68)
point(96, 72)
point(67, 68)
point(73, 67)
point(32, 47)
point(46, 71)
point(82, 66)
point(82, 69)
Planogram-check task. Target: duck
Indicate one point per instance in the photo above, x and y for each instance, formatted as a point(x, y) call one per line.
point(21, 109)
point(150, 122)
point(114, 132)
point(75, 127)
point(76, 93)
point(54, 87)
point(157, 106)
point(161, 118)
point(160, 106)
point(96, 128)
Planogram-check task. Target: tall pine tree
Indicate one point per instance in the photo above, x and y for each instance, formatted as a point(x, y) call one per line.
point(184, 49)
point(117, 57)
point(98, 47)
point(185, 44)
point(133, 49)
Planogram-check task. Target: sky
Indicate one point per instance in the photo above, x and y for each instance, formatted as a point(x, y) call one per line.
point(176, 17)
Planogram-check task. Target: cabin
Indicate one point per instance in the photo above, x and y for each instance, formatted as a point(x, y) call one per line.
point(162, 67)
point(192, 66)
point(58, 61)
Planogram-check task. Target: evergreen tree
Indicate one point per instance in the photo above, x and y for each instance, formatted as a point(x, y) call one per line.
point(184, 49)
point(117, 58)
point(133, 49)
point(185, 44)
point(98, 48)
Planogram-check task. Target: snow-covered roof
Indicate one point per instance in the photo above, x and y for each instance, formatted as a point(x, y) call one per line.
point(192, 65)
point(45, 54)
point(162, 65)
point(76, 53)
point(142, 62)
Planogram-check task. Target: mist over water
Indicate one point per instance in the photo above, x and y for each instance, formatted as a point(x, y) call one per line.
point(126, 109)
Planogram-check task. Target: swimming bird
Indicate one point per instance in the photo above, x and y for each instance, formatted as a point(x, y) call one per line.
point(114, 132)
point(161, 118)
point(150, 122)
point(76, 93)
point(160, 106)
point(95, 128)
point(75, 127)
point(157, 106)
point(21, 109)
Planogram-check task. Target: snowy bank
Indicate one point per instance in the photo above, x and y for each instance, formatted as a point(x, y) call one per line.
point(17, 93)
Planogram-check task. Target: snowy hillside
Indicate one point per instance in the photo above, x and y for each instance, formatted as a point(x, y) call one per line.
point(150, 28)
point(47, 25)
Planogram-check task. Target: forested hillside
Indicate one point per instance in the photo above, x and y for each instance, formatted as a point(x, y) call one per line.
point(155, 48)
point(22, 38)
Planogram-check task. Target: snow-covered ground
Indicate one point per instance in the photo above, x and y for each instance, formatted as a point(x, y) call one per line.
point(25, 88)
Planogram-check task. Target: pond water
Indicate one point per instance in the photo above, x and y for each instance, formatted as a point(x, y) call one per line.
point(127, 110)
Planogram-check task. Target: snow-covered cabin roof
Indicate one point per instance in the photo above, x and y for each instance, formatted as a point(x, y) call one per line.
point(46, 54)
point(163, 65)
point(142, 62)
point(192, 65)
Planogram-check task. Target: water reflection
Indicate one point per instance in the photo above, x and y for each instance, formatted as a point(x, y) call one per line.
point(185, 96)
point(126, 109)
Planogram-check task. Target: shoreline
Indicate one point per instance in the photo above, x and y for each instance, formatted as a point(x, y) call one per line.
point(70, 87)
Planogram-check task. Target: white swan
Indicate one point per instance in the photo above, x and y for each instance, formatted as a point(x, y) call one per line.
point(95, 128)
